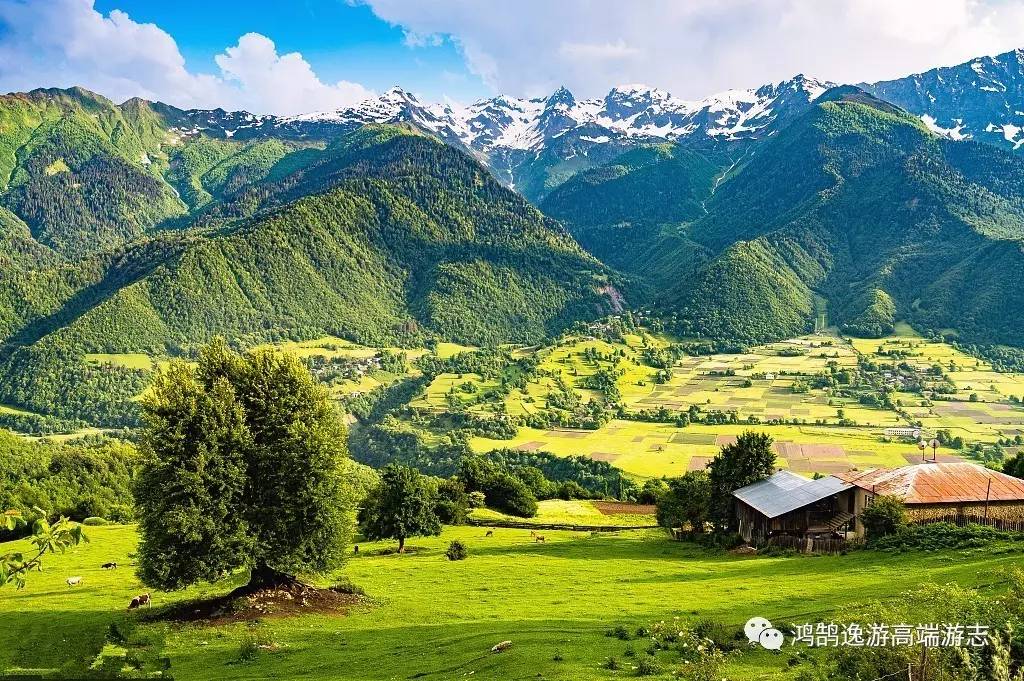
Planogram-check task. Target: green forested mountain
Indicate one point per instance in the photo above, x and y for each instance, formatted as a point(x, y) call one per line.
point(383, 235)
point(855, 201)
point(142, 228)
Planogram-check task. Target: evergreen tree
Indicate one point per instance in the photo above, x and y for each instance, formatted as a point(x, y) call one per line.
point(243, 468)
point(402, 506)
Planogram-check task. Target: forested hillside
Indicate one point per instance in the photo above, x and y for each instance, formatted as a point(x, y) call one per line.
point(383, 235)
point(857, 201)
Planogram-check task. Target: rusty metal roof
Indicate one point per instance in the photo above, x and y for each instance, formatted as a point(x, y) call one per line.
point(784, 492)
point(939, 483)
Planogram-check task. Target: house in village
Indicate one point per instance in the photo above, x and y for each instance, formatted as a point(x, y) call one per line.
point(789, 504)
point(903, 431)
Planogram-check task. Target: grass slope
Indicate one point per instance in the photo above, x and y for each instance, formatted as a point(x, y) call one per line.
point(433, 619)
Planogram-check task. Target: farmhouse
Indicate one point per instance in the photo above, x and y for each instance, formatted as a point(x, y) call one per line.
point(935, 490)
point(787, 503)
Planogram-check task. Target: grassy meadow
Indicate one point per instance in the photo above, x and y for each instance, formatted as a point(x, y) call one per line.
point(425, 617)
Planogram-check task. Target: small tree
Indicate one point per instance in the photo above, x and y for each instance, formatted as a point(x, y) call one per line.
point(452, 504)
point(402, 506)
point(457, 551)
point(737, 465)
point(652, 491)
point(686, 501)
point(507, 493)
point(885, 515)
point(242, 467)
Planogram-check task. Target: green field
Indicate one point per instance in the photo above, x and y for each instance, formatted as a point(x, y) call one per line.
point(647, 450)
point(816, 430)
point(575, 512)
point(426, 617)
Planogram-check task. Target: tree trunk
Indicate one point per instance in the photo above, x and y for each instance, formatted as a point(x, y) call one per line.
point(263, 576)
point(401, 544)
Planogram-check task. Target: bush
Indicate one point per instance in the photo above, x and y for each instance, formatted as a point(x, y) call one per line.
point(720, 540)
point(885, 516)
point(936, 536)
point(620, 632)
point(647, 667)
point(346, 586)
point(456, 551)
point(94, 521)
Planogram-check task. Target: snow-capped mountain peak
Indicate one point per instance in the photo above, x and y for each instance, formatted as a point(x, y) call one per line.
point(632, 112)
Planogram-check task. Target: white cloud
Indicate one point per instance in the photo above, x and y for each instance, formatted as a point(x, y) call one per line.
point(696, 47)
point(285, 83)
point(60, 43)
point(616, 50)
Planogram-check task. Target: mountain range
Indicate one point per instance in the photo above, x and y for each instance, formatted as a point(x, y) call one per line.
point(143, 228)
point(535, 144)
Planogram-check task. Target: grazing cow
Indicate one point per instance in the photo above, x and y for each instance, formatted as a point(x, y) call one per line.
point(490, 533)
point(139, 601)
point(355, 549)
point(108, 566)
point(532, 533)
point(74, 581)
point(540, 538)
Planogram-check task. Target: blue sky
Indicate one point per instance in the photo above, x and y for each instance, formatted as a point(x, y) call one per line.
point(281, 57)
point(340, 40)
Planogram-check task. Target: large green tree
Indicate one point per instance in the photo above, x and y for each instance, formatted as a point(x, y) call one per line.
point(243, 467)
point(401, 506)
point(744, 462)
point(687, 500)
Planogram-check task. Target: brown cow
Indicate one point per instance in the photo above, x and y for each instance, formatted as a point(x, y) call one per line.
point(490, 533)
point(139, 601)
point(540, 538)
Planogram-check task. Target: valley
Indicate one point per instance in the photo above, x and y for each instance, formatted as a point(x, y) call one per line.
point(429, 391)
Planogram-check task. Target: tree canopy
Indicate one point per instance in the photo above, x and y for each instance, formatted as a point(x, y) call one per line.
point(403, 505)
point(242, 467)
point(741, 463)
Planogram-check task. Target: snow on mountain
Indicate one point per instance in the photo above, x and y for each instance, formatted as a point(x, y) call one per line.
point(980, 99)
point(626, 113)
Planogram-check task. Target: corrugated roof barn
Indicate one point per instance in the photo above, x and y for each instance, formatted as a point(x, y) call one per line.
point(939, 483)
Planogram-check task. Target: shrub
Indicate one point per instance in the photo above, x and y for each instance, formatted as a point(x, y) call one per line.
point(936, 536)
point(620, 632)
point(720, 540)
point(347, 587)
point(250, 647)
point(886, 515)
point(94, 521)
point(611, 663)
point(456, 551)
point(647, 667)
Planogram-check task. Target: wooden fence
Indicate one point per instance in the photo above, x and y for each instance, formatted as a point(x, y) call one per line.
point(964, 519)
point(814, 545)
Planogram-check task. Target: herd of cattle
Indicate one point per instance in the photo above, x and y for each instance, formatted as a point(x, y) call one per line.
point(138, 601)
